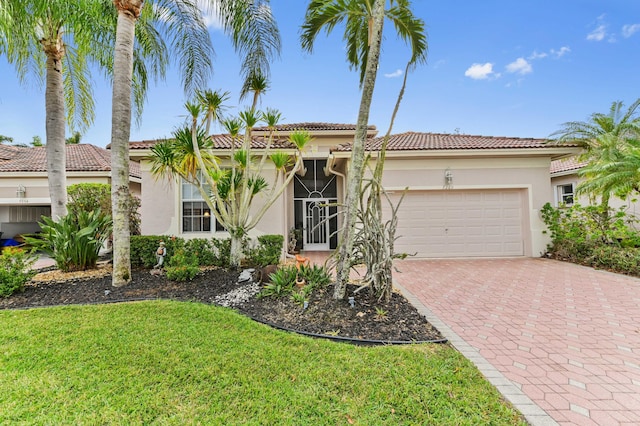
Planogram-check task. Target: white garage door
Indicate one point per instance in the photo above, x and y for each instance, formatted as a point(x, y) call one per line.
point(451, 223)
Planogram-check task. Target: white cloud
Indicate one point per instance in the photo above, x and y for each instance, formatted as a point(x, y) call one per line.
point(479, 71)
point(395, 74)
point(561, 52)
point(598, 34)
point(520, 66)
point(537, 55)
point(629, 30)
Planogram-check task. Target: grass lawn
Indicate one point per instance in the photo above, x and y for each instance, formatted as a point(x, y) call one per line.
point(166, 362)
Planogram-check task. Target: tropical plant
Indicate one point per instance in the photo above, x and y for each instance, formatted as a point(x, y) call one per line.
point(57, 40)
point(15, 270)
point(254, 35)
point(230, 191)
point(282, 282)
point(74, 241)
point(610, 145)
point(316, 276)
point(364, 21)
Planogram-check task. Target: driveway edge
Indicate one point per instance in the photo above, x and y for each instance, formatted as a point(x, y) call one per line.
point(535, 415)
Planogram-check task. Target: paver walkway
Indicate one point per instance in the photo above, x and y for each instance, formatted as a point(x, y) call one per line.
point(567, 336)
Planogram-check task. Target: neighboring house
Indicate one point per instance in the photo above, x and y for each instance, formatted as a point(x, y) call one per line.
point(24, 190)
point(565, 180)
point(467, 195)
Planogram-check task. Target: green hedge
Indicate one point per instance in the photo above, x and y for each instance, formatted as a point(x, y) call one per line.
point(209, 252)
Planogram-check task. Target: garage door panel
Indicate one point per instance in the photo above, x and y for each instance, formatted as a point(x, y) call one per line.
point(452, 223)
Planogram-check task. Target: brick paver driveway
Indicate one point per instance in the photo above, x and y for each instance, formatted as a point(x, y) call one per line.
point(567, 336)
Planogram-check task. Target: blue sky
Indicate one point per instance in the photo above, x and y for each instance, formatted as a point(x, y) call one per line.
point(495, 68)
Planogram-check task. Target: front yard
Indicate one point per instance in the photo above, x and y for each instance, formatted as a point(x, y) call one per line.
point(171, 362)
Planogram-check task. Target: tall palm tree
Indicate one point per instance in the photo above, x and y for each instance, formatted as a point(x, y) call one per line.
point(363, 21)
point(609, 143)
point(58, 41)
point(35, 37)
point(253, 32)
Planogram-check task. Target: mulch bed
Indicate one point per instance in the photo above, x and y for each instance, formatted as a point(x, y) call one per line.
point(396, 320)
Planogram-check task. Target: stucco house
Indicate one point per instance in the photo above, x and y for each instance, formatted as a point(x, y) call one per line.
point(467, 195)
point(24, 190)
point(565, 180)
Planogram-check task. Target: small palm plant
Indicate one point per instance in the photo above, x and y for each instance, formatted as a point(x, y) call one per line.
point(231, 188)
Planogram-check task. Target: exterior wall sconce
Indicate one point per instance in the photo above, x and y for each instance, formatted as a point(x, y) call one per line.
point(206, 213)
point(448, 179)
point(21, 192)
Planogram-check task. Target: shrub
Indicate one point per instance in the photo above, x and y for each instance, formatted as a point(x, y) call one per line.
point(182, 266)
point(97, 196)
point(267, 252)
point(143, 248)
point(203, 251)
point(593, 237)
point(222, 250)
point(282, 282)
point(75, 240)
point(15, 270)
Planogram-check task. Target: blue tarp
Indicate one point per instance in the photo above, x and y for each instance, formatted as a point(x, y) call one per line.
point(9, 242)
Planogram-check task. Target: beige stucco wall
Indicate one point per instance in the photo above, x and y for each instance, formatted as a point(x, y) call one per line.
point(631, 204)
point(37, 194)
point(37, 187)
point(161, 209)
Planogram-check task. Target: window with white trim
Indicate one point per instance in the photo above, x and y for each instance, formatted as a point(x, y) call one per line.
point(196, 214)
point(565, 194)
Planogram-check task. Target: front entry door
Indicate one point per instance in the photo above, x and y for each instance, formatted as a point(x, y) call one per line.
point(316, 224)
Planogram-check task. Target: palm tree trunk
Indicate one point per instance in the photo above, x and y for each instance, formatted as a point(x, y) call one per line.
point(356, 168)
point(55, 127)
point(120, 132)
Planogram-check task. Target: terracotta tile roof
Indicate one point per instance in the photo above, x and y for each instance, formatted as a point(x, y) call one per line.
point(7, 152)
point(567, 164)
point(313, 127)
point(80, 158)
point(412, 141)
point(220, 141)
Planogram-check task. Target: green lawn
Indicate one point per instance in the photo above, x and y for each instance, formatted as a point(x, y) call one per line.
point(180, 363)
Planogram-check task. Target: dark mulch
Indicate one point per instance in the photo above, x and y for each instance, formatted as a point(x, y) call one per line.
point(396, 320)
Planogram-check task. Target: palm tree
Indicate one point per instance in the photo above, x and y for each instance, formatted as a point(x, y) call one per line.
point(254, 35)
point(364, 21)
point(610, 146)
point(35, 37)
point(256, 83)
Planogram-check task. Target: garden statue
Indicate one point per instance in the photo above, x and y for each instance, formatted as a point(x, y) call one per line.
point(161, 252)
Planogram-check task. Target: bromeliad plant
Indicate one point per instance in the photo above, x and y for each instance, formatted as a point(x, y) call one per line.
point(75, 240)
point(231, 188)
